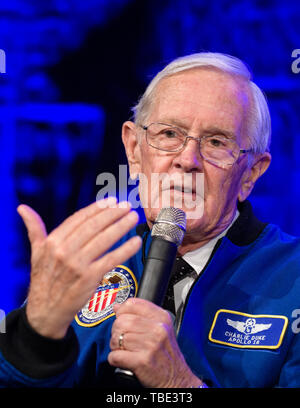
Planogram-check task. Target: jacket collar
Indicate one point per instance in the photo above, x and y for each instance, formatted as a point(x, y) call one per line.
point(247, 227)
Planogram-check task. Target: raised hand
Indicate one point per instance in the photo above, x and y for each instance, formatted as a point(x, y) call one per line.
point(68, 264)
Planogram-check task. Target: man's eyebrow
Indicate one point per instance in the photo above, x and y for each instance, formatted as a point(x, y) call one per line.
point(173, 122)
point(212, 130)
point(219, 131)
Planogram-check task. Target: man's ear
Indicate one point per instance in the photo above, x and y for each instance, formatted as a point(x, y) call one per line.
point(260, 164)
point(132, 148)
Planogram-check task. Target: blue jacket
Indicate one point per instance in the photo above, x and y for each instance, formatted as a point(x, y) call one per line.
point(239, 327)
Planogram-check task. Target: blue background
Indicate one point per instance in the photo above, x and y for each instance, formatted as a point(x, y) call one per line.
point(75, 68)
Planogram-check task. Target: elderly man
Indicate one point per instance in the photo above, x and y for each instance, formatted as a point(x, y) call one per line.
point(240, 277)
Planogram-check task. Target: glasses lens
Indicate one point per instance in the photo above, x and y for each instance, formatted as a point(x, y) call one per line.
point(219, 150)
point(164, 137)
point(215, 149)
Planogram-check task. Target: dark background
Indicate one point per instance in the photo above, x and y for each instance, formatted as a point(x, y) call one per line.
point(75, 68)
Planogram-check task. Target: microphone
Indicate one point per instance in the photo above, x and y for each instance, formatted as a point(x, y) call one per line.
point(167, 234)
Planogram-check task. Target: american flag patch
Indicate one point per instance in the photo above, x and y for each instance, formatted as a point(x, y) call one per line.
point(105, 296)
point(116, 286)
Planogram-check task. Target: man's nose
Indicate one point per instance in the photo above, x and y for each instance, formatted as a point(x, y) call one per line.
point(189, 158)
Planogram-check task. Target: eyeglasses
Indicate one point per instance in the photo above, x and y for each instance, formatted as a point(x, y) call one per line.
point(216, 149)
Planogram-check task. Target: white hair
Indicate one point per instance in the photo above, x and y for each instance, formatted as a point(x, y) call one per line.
point(259, 120)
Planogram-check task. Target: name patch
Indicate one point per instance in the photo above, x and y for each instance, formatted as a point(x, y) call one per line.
point(242, 330)
point(116, 286)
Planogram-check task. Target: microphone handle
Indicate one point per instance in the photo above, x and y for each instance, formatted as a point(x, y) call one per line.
point(157, 271)
point(153, 287)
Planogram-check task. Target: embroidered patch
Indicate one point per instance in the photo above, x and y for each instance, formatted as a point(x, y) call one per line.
point(116, 286)
point(242, 330)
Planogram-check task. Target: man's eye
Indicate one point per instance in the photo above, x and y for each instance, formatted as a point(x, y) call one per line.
point(169, 133)
point(216, 142)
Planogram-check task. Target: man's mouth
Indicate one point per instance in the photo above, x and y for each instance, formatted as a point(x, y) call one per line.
point(182, 189)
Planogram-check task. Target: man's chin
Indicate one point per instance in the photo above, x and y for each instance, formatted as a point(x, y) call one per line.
point(193, 225)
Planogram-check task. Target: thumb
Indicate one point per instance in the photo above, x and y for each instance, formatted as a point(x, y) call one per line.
point(116, 307)
point(33, 222)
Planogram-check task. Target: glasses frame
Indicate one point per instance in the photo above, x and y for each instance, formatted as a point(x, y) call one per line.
point(198, 139)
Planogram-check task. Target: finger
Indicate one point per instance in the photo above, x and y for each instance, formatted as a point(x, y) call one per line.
point(123, 359)
point(60, 233)
point(132, 323)
point(147, 336)
point(34, 224)
point(116, 257)
point(144, 308)
point(116, 307)
point(130, 341)
point(104, 240)
point(92, 228)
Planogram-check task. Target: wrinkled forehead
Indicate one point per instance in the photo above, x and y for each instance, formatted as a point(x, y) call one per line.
point(202, 97)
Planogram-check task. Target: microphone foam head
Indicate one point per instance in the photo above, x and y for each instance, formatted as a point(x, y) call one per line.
point(170, 224)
